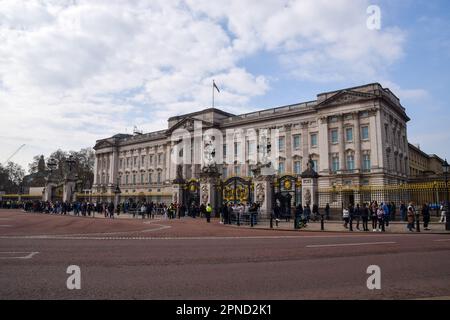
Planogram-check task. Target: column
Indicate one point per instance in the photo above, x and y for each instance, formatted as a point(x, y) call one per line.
point(357, 142)
point(323, 144)
point(342, 162)
point(305, 142)
point(114, 166)
point(95, 170)
point(288, 147)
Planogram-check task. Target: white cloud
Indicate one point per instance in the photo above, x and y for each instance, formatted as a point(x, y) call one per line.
point(75, 71)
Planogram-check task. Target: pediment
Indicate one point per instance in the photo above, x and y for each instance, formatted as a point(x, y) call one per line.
point(346, 97)
point(103, 144)
point(188, 124)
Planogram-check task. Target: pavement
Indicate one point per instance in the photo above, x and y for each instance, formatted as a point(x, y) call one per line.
point(191, 259)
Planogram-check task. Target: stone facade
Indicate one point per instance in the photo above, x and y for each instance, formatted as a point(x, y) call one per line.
point(355, 136)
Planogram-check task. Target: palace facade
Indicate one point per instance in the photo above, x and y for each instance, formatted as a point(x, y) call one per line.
point(355, 137)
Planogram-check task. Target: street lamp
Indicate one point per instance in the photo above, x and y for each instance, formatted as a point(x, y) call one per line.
point(445, 167)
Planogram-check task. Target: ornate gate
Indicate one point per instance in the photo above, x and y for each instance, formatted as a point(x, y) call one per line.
point(191, 194)
point(237, 190)
point(287, 194)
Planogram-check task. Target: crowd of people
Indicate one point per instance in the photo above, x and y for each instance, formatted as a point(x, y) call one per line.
point(378, 214)
point(381, 214)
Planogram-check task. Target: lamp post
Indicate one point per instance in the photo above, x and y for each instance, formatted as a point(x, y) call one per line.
point(445, 167)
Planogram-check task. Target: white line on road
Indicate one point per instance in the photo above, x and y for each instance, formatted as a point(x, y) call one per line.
point(5, 225)
point(442, 240)
point(29, 255)
point(348, 244)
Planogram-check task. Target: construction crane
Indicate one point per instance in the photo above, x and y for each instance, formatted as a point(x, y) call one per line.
point(15, 152)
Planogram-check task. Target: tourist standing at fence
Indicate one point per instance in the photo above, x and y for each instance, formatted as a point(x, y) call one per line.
point(345, 217)
point(386, 214)
point(403, 211)
point(365, 217)
point(380, 216)
point(351, 216)
point(357, 215)
point(443, 213)
point(373, 215)
point(426, 216)
point(327, 211)
point(411, 215)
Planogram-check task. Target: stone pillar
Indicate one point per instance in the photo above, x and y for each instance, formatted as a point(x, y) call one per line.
point(310, 185)
point(68, 190)
point(177, 193)
point(288, 147)
point(48, 191)
point(305, 143)
point(310, 191)
point(95, 170)
point(209, 183)
point(357, 143)
point(323, 144)
point(263, 194)
point(342, 162)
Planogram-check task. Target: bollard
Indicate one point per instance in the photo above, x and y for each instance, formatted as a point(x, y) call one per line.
point(417, 223)
point(322, 227)
point(271, 222)
point(238, 220)
point(251, 220)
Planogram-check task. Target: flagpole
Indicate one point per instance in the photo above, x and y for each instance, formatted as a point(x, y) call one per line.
point(213, 94)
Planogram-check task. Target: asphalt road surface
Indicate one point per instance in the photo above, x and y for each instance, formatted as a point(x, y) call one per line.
point(190, 259)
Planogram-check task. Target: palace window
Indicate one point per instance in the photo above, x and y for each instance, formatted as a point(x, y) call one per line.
point(349, 134)
point(316, 165)
point(135, 161)
point(281, 168)
point(281, 143)
point(366, 162)
point(314, 140)
point(134, 179)
point(350, 162)
point(159, 177)
point(251, 147)
point(297, 142)
point(297, 167)
point(365, 133)
point(126, 179)
point(334, 136)
point(142, 178)
point(150, 159)
point(237, 170)
point(150, 178)
point(335, 163)
point(224, 150)
point(142, 160)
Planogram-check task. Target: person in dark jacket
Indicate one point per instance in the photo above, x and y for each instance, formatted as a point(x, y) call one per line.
point(403, 211)
point(225, 213)
point(365, 217)
point(357, 215)
point(327, 212)
point(298, 215)
point(426, 216)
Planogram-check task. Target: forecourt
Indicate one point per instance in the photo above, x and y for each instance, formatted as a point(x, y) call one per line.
point(190, 259)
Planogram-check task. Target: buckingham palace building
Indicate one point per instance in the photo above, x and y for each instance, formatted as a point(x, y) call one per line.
point(352, 137)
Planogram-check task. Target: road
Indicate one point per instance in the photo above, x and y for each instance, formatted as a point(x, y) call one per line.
point(190, 259)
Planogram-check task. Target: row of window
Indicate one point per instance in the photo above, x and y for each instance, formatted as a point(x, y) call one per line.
point(350, 162)
point(131, 179)
point(128, 162)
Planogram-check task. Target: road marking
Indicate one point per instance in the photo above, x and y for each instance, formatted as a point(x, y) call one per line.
point(442, 240)
point(29, 255)
point(5, 225)
point(5, 219)
point(348, 244)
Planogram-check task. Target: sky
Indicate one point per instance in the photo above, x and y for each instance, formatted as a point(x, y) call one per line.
point(72, 72)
